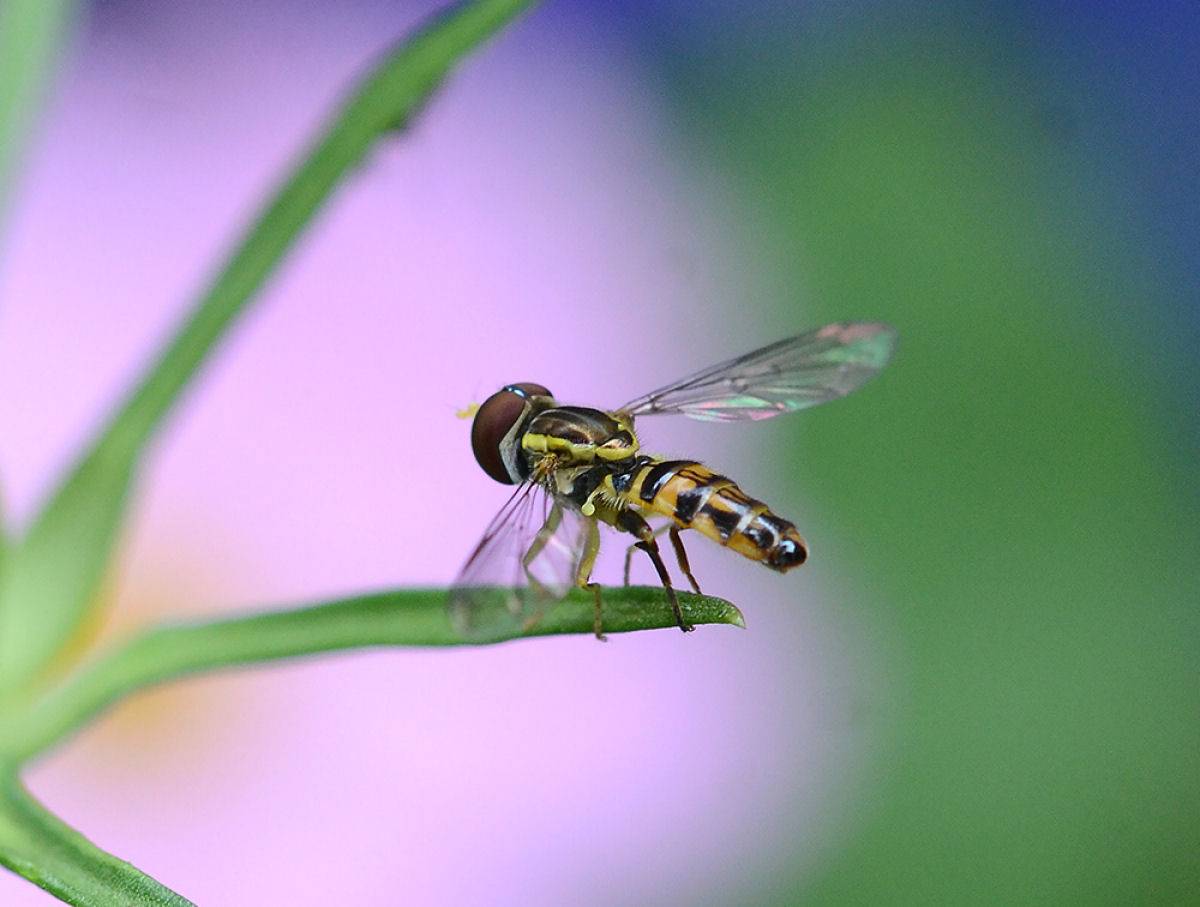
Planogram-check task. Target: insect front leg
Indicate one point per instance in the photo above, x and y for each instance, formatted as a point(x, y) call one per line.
point(632, 523)
point(553, 520)
point(590, 549)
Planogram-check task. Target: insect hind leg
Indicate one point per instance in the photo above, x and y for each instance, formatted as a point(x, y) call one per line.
point(680, 554)
point(636, 547)
point(632, 523)
point(682, 558)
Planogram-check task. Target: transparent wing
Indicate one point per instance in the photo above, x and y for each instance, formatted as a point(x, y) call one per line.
point(792, 374)
point(525, 562)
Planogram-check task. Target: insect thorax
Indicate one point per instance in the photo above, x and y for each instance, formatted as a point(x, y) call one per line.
point(579, 436)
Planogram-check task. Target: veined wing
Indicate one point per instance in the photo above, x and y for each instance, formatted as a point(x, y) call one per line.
point(525, 562)
point(792, 374)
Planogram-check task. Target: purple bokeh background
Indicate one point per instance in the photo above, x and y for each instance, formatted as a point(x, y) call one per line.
point(537, 224)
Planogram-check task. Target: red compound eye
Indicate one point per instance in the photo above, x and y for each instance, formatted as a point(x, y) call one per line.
point(495, 419)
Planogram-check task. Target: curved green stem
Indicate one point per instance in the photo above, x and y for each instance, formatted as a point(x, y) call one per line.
point(43, 849)
point(412, 617)
point(52, 574)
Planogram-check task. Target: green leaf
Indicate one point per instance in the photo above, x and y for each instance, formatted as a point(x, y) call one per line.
point(53, 573)
point(31, 34)
point(52, 855)
point(411, 617)
point(4, 539)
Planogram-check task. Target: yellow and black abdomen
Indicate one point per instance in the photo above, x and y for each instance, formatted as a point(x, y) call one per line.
point(697, 498)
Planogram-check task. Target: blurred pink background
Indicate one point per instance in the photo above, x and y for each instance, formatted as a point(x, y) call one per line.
point(539, 223)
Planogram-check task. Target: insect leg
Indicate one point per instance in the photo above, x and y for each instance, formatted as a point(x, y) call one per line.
point(590, 549)
point(553, 519)
point(681, 556)
point(631, 522)
point(629, 551)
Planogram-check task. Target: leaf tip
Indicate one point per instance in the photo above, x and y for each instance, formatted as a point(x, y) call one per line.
point(709, 609)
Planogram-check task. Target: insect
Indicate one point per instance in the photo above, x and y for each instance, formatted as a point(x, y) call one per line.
point(576, 467)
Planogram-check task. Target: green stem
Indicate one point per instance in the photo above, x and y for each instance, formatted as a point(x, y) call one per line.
point(385, 102)
point(41, 848)
point(31, 38)
point(52, 574)
point(412, 617)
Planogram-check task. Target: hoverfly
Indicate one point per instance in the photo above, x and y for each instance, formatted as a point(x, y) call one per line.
point(577, 467)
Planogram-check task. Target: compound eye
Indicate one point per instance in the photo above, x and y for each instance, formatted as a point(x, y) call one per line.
point(495, 419)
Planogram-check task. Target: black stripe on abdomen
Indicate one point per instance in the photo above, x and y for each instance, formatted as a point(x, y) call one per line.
point(658, 475)
point(725, 521)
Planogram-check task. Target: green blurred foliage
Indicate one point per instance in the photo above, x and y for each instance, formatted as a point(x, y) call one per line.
point(30, 33)
point(1013, 490)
